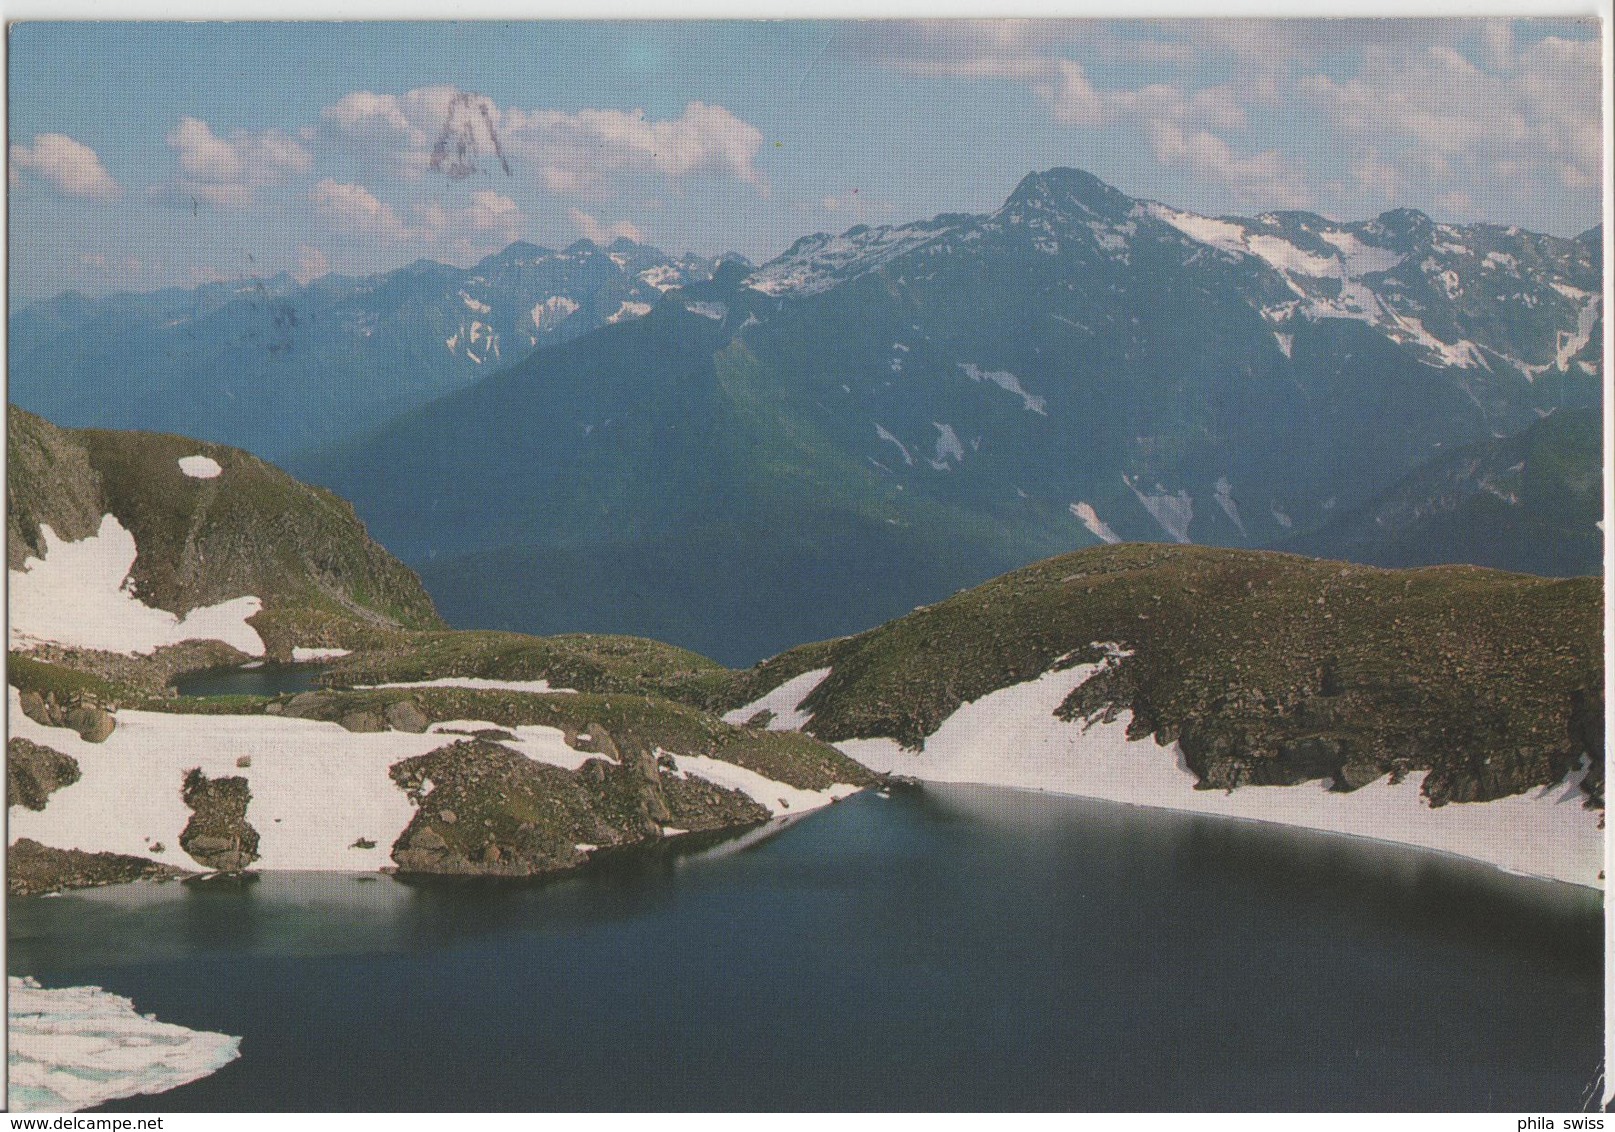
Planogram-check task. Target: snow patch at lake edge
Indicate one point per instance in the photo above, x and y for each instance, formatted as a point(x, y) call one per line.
point(1011, 737)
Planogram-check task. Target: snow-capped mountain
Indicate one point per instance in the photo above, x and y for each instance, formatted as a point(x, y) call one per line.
point(274, 366)
point(937, 402)
point(1476, 296)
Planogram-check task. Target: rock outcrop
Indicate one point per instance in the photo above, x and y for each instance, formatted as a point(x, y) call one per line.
point(218, 836)
point(32, 869)
point(487, 810)
point(34, 772)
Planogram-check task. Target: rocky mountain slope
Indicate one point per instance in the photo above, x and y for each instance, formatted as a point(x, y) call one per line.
point(272, 365)
point(934, 403)
point(1531, 502)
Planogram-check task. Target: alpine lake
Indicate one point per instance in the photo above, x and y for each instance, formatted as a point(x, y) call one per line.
point(940, 948)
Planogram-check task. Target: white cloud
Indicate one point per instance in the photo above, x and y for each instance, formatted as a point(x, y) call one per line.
point(563, 152)
point(1441, 121)
point(356, 209)
point(1185, 127)
point(604, 234)
point(73, 167)
point(226, 172)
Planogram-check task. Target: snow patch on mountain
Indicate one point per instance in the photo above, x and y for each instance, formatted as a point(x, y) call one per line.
point(1174, 512)
point(947, 447)
point(881, 431)
point(1225, 499)
point(784, 701)
point(664, 276)
point(817, 263)
point(303, 655)
point(1011, 737)
point(630, 309)
point(71, 1048)
point(553, 309)
point(79, 595)
point(475, 305)
point(200, 467)
point(536, 687)
point(715, 311)
point(1009, 383)
point(1096, 526)
point(1569, 345)
point(780, 799)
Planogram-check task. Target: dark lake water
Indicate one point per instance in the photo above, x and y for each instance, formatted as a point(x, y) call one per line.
point(952, 948)
point(265, 680)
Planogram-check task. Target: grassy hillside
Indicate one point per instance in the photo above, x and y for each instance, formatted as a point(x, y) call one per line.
point(1263, 666)
point(252, 529)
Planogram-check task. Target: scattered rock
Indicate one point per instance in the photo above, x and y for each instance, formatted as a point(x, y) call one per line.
point(363, 843)
point(90, 717)
point(244, 761)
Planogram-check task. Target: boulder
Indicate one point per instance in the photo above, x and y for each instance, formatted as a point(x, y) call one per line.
point(363, 721)
point(406, 716)
point(93, 723)
point(302, 704)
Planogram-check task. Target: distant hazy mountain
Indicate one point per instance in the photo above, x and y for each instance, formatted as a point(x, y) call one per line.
point(940, 401)
point(275, 366)
point(1530, 502)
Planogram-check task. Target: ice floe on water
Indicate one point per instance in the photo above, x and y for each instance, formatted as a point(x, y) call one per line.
point(200, 467)
point(78, 595)
point(75, 1047)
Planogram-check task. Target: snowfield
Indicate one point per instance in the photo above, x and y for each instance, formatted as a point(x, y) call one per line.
point(1011, 738)
point(76, 1047)
point(78, 595)
point(317, 789)
point(477, 682)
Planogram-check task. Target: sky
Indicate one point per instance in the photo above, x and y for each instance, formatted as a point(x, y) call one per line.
point(160, 154)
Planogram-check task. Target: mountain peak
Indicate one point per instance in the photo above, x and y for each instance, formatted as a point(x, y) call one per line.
point(1061, 187)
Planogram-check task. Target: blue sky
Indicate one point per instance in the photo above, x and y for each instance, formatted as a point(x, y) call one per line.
point(148, 155)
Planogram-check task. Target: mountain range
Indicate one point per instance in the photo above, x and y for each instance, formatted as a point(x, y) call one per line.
point(873, 419)
point(272, 365)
